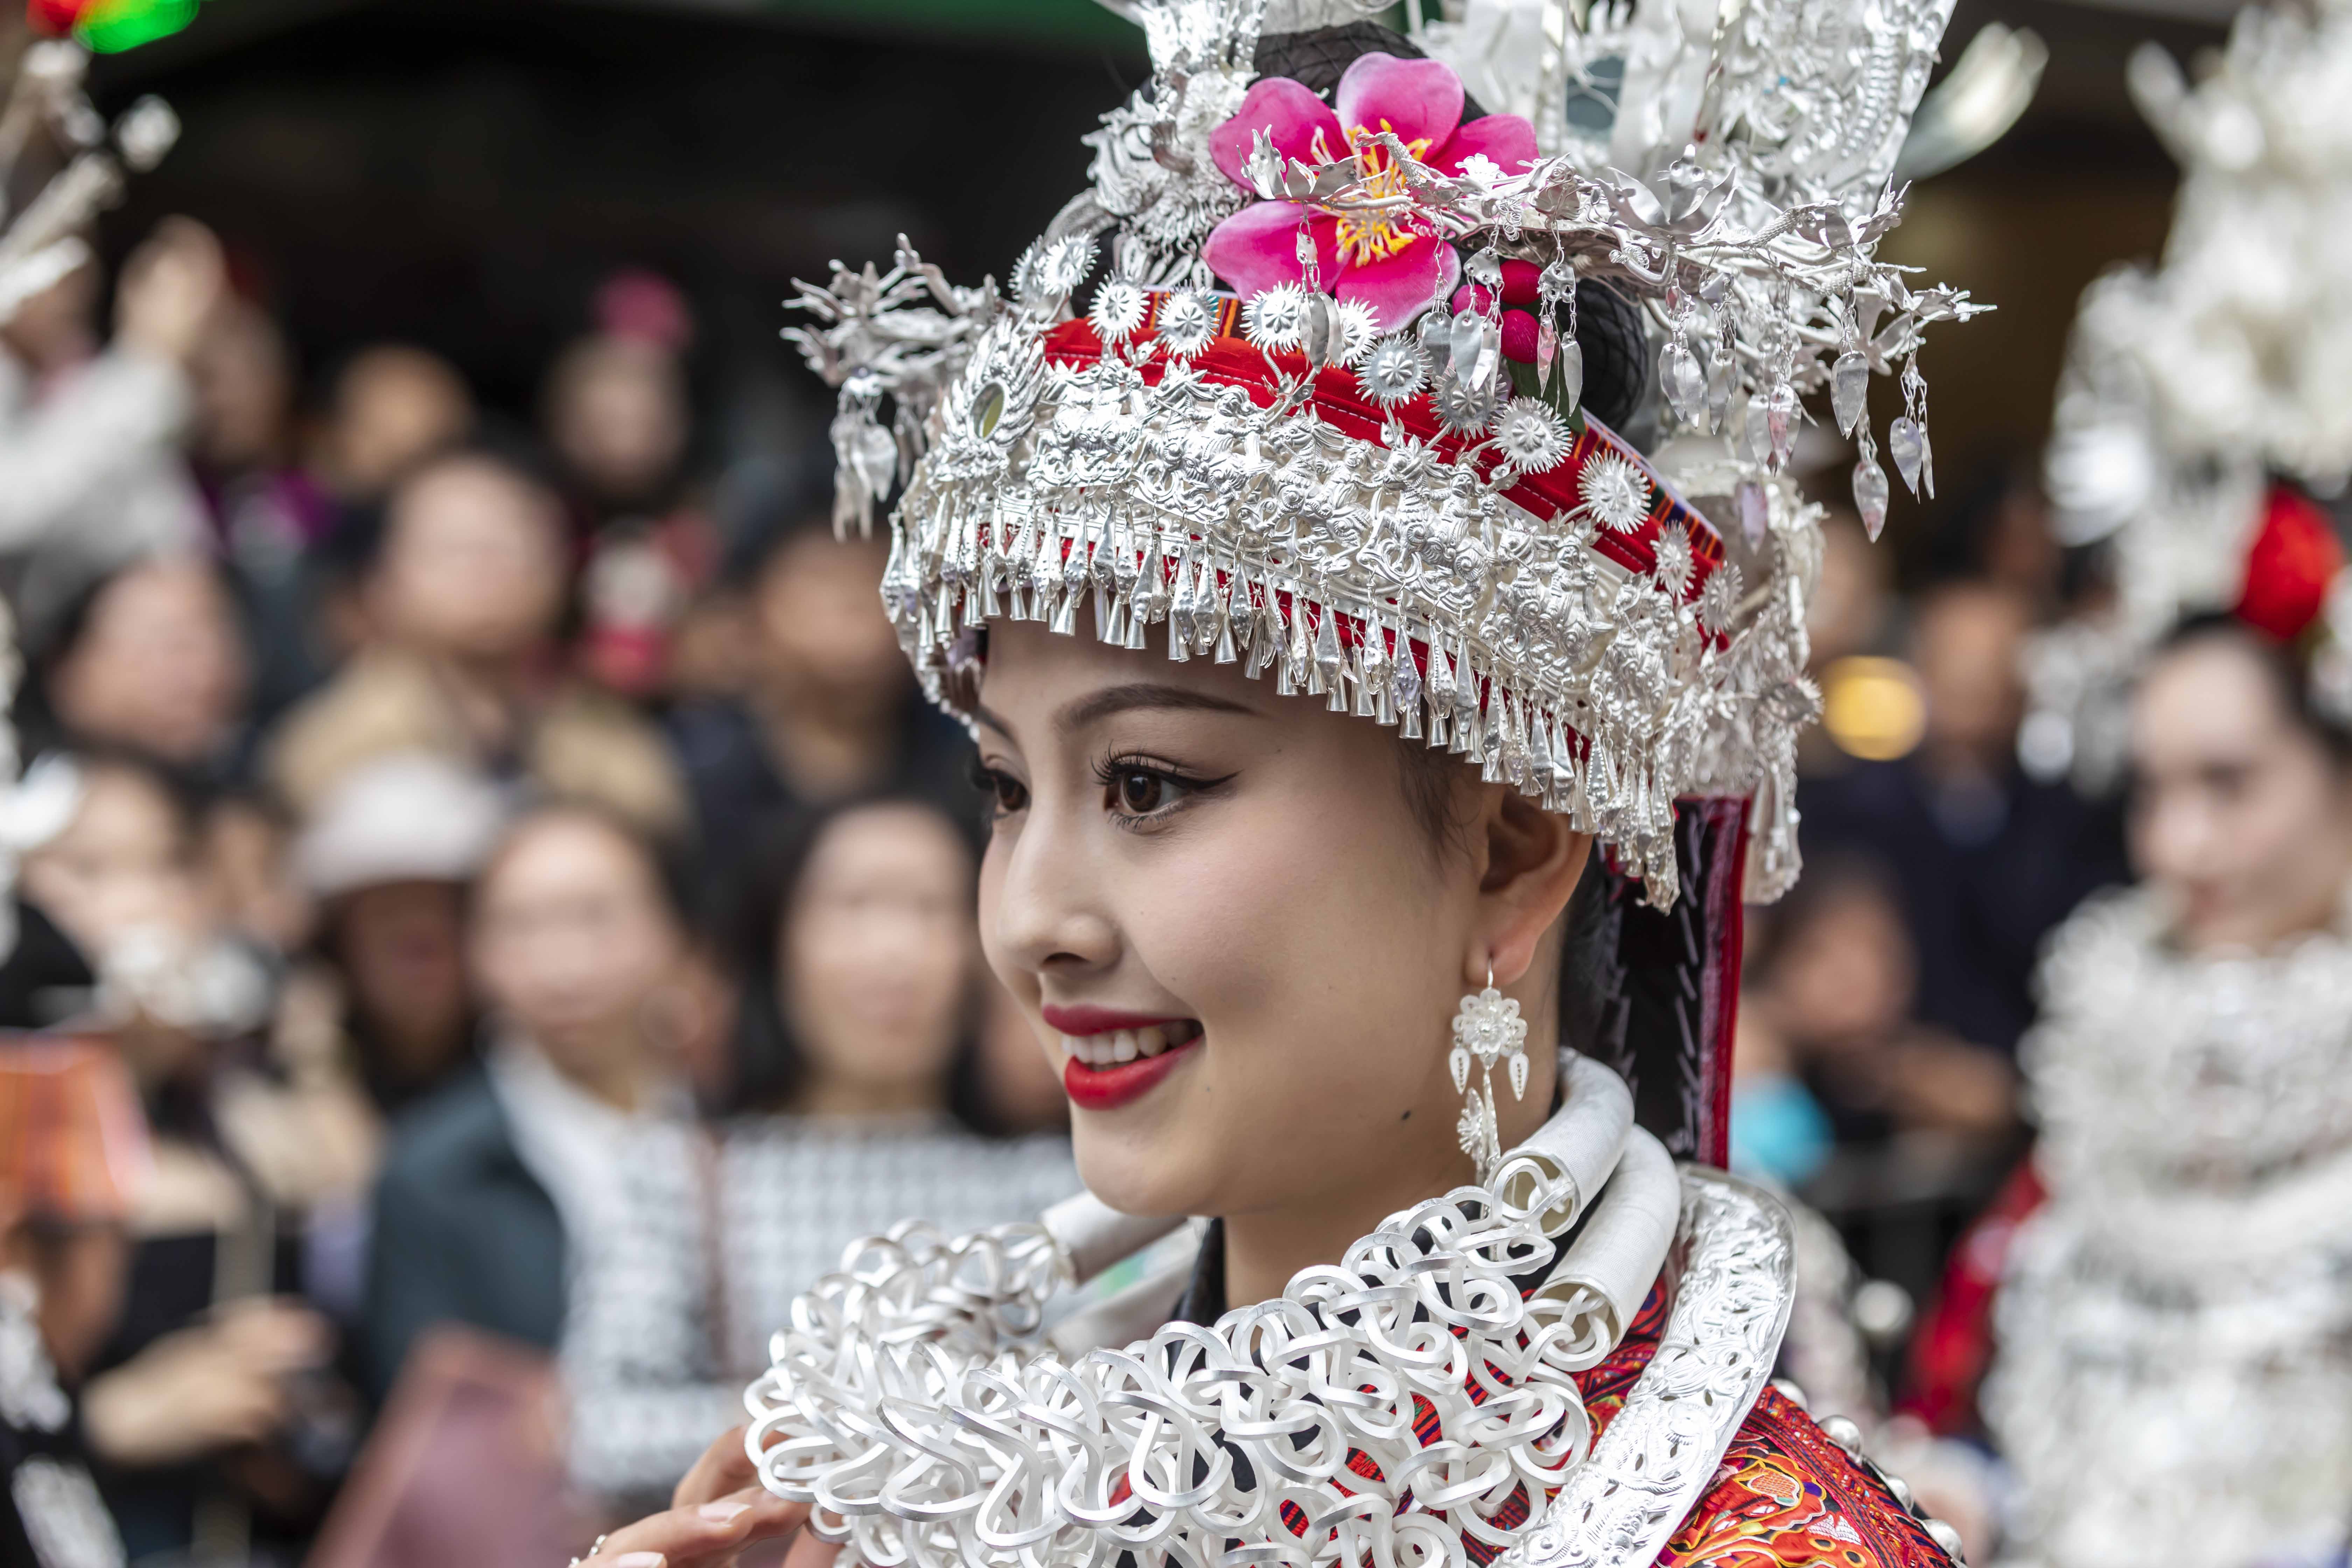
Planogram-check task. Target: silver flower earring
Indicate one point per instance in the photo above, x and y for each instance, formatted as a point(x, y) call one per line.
point(1487, 1027)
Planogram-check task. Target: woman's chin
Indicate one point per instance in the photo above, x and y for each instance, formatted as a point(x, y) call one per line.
point(1136, 1176)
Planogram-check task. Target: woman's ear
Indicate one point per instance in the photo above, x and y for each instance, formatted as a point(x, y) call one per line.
point(1533, 860)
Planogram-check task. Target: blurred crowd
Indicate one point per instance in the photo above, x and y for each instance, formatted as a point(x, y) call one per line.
point(523, 891)
point(514, 871)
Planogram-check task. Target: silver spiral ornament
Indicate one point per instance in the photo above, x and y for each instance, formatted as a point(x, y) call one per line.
point(913, 1401)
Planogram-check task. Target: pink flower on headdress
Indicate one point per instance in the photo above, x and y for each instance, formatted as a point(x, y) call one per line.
point(1394, 264)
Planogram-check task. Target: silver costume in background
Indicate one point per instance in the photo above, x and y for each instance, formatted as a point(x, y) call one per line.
point(2175, 1382)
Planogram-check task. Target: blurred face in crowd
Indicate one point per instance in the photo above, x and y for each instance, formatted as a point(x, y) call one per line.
point(1844, 972)
point(120, 864)
point(244, 389)
point(394, 407)
point(472, 567)
point(572, 942)
point(1234, 892)
point(160, 664)
point(616, 413)
point(400, 948)
point(820, 636)
point(876, 960)
point(2239, 812)
point(1966, 647)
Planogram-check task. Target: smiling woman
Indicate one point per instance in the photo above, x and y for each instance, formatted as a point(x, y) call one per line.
point(1327, 983)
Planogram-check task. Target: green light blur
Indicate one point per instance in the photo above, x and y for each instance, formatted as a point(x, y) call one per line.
point(111, 27)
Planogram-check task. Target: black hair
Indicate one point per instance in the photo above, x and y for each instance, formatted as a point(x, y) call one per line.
point(1609, 328)
point(769, 1064)
point(2284, 667)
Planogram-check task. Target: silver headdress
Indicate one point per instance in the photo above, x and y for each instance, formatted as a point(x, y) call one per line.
point(1392, 494)
point(2190, 387)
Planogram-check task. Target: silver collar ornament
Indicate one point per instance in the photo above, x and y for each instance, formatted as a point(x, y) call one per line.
point(1385, 514)
point(918, 1401)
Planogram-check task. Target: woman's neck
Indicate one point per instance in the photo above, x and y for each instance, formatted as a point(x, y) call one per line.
point(1265, 1248)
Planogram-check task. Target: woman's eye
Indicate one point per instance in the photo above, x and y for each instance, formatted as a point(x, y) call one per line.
point(1139, 793)
point(1006, 794)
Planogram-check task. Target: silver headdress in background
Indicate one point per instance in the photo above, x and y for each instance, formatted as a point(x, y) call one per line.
point(2188, 387)
point(1396, 499)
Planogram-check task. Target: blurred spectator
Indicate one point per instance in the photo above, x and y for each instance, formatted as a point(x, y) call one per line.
point(72, 1156)
point(91, 470)
point(861, 1090)
point(828, 709)
point(268, 510)
point(506, 1186)
point(212, 1402)
point(150, 659)
point(1986, 861)
point(1834, 982)
point(393, 406)
point(390, 856)
point(617, 416)
point(464, 597)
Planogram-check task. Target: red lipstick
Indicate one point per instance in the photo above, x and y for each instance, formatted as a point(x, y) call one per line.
point(1109, 1086)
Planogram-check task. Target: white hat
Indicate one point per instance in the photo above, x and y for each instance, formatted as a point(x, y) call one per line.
point(405, 817)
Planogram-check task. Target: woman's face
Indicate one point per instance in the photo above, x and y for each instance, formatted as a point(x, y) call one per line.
point(571, 938)
point(160, 666)
point(2237, 811)
point(402, 950)
point(876, 954)
point(1229, 888)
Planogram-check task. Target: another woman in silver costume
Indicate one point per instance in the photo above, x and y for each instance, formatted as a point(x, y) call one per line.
point(2175, 1371)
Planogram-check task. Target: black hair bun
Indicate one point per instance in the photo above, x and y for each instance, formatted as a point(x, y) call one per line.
point(1317, 60)
point(1616, 354)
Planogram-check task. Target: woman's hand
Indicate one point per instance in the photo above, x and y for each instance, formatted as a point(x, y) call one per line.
point(719, 1509)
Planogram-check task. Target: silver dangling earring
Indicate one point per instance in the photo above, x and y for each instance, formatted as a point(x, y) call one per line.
point(1488, 1027)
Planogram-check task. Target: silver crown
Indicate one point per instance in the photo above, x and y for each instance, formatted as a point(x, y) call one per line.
point(1371, 502)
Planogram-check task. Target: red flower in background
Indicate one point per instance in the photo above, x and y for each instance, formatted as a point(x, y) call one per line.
point(2295, 555)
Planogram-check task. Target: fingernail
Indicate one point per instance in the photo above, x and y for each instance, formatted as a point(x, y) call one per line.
point(723, 1512)
point(639, 1560)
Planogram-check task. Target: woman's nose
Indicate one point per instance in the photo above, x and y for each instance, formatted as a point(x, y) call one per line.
point(1042, 906)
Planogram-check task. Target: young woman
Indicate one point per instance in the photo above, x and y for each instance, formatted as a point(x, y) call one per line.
point(2173, 1323)
point(1304, 972)
point(503, 1192)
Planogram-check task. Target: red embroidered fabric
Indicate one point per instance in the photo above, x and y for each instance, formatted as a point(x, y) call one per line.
point(1784, 1496)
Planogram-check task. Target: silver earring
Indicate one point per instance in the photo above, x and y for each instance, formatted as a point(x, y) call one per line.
point(1488, 1027)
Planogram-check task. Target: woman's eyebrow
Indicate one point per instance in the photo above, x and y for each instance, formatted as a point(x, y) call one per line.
point(1097, 706)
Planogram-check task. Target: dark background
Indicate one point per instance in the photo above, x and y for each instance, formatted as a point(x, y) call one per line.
point(460, 172)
